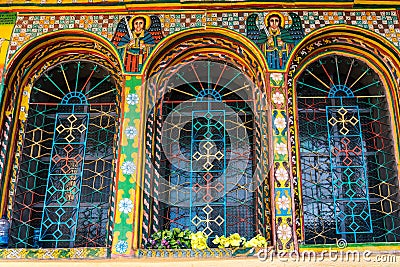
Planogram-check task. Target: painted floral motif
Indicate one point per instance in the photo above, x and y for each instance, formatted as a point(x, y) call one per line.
point(281, 148)
point(284, 232)
point(125, 205)
point(280, 122)
point(121, 247)
point(276, 79)
point(283, 203)
point(281, 175)
point(278, 98)
point(130, 132)
point(132, 99)
point(128, 167)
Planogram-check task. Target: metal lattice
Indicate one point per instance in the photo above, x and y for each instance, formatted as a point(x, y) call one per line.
point(346, 152)
point(203, 153)
point(63, 188)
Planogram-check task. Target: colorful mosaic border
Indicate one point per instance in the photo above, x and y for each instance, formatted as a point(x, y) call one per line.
point(73, 253)
point(282, 181)
point(127, 174)
point(383, 22)
point(196, 253)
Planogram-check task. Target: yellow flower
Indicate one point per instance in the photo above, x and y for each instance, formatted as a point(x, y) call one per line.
point(235, 240)
point(222, 241)
point(198, 240)
point(257, 241)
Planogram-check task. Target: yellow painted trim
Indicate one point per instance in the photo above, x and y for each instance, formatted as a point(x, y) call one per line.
point(376, 2)
point(53, 37)
point(137, 223)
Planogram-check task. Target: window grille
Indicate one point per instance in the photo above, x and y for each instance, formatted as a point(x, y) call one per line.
point(203, 160)
point(349, 179)
point(65, 178)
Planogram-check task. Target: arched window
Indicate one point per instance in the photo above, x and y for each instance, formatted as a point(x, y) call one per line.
point(348, 168)
point(65, 178)
point(204, 149)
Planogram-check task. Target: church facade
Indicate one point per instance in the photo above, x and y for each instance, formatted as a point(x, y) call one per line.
point(172, 129)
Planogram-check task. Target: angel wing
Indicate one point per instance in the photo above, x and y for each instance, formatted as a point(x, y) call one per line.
point(121, 35)
point(253, 32)
point(295, 30)
point(155, 29)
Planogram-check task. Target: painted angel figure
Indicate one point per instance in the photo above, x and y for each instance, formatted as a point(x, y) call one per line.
point(135, 38)
point(275, 41)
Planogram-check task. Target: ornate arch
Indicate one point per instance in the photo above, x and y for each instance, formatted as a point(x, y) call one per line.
point(210, 44)
point(25, 67)
point(376, 51)
point(190, 44)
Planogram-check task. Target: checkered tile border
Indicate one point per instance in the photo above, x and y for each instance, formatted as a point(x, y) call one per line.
point(27, 27)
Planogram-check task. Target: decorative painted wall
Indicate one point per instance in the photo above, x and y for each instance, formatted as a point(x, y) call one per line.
point(27, 27)
point(283, 40)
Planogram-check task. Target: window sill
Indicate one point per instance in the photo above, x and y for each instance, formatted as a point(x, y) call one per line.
point(197, 253)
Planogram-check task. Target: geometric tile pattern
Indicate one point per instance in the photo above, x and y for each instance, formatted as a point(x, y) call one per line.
point(48, 253)
point(28, 27)
point(384, 23)
point(171, 23)
point(197, 253)
point(232, 20)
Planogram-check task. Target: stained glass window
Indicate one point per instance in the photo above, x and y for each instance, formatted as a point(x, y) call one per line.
point(206, 154)
point(64, 184)
point(348, 168)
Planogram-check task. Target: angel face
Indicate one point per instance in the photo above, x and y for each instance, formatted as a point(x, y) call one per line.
point(139, 24)
point(274, 22)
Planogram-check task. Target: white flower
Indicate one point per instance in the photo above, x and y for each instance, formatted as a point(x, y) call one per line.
point(283, 203)
point(280, 122)
point(281, 175)
point(132, 99)
point(121, 246)
point(281, 148)
point(128, 167)
point(277, 77)
point(130, 132)
point(284, 232)
point(278, 98)
point(125, 205)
